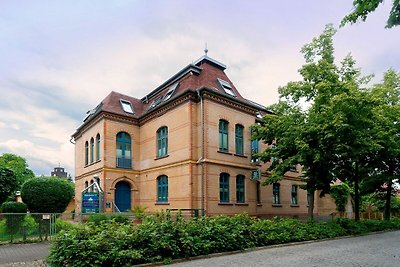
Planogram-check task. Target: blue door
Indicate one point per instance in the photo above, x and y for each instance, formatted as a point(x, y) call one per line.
point(123, 196)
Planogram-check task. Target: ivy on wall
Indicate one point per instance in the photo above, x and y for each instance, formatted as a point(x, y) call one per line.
point(340, 193)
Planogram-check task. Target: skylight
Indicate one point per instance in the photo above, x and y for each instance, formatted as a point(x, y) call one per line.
point(126, 106)
point(171, 91)
point(227, 87)
point(156, 102)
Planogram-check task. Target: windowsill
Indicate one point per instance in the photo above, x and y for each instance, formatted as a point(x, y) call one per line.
point(240, 155)
point(122, 167)
point(259, 205)
point(225, 204)
point(277, 205)
point(162, 203)
point(241, 204)
point(162, 157)
point(294, 205)
point(92, 163)
point(224, 152)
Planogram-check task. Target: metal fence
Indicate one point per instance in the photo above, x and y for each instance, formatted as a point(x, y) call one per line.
point(27, 227)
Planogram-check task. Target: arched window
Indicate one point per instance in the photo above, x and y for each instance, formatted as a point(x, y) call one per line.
point(91, 150)
point(224, 188)
point(294, 195)
point(162, 188)
point(239, 139)
point(123, 149)
point(223, 135)
point(276, 193)
point(86, 153)
point(240, 189)
point(91, 186)
point(86, 184)
point(97, 147)
point(162, 142)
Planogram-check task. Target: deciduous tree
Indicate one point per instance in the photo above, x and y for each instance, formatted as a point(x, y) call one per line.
point(18, 165)
point(362, 8)
point(8, 183)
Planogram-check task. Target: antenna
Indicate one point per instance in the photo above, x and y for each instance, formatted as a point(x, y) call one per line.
point(206, 50)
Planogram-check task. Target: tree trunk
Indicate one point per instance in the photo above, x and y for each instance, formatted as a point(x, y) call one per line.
point(311, 205)
point(388, 199)
point(356, 196)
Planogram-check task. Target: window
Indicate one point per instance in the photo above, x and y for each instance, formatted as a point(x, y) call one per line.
point(162, 189)
point(126, 106)
point(170, 92)
point(294, 195)
point(223, 135)
point(239, 139)
point(273, 147)
point(258, 192)
point(276, 194)
point(86, 153)
point(227, 87)
point(86, 184)
point(240, 189)
point(224, 188)
point(91, 150)
point(155, 103)
point(162, 142)
point(308, 197)
point(123, 150)
point(255, 149)
point(97, 147)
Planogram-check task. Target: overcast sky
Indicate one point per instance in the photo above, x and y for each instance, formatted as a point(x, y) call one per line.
point(59, 59)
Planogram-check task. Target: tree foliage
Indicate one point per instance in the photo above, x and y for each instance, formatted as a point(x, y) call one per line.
point(386, 169)
point(8, 183)
point(362, 8)
point(18, 165)
point(340, 193)
point(47, 194)
point(301, 137)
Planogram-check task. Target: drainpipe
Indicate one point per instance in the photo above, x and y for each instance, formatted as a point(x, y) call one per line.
point(200, 161)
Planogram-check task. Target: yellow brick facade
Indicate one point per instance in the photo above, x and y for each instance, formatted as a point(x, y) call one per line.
point(193, 163)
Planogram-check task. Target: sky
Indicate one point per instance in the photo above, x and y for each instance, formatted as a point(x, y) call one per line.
point(59, 59)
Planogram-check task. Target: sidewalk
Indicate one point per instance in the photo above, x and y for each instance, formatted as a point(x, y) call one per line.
point(31, 254)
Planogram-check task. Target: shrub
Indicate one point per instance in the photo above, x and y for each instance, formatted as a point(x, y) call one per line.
point(162, 239)
point(99, 218)
point(47, 194)
point(15, 218)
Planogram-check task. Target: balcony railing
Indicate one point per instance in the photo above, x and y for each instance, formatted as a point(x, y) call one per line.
point(124, 163)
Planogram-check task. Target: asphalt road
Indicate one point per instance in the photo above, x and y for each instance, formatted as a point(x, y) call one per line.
point(380, 250)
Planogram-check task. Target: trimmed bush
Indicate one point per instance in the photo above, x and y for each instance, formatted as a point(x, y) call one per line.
point(161, 239)
point(15, 218)
point(47, 194)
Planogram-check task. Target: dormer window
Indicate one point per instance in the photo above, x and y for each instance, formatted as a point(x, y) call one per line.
point(171, 91)
point(156, 102)
point(227, 87)
point(126, 106)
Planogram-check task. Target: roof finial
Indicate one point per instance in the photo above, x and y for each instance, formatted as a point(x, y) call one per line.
point(206, 50)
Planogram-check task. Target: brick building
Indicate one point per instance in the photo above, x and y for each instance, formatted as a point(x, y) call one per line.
point(185, 145)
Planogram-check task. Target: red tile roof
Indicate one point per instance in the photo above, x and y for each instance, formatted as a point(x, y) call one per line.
point(205, 72)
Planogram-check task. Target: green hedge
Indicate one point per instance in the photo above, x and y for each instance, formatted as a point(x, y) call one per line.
point(113, 244)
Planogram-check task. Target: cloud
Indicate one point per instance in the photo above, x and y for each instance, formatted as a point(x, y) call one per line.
point(41, 159)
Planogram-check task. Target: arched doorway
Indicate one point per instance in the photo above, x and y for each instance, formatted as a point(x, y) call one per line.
point(123, 196)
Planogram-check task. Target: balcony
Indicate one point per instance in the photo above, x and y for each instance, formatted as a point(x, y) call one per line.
point(124, 163)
